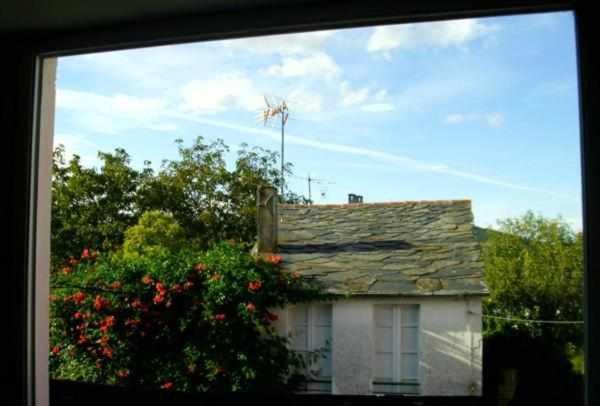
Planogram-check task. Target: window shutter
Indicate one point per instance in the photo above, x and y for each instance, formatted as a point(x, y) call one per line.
point(409, 343)
point(384, 341)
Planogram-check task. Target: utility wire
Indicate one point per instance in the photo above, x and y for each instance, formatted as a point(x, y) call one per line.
point(487, 316)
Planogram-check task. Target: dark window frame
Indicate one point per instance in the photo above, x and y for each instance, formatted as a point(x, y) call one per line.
point(19, 122)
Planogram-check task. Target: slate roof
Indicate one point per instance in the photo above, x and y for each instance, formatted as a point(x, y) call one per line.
point(399, 248)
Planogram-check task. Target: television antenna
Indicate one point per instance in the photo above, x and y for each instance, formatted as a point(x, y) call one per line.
point(278, 111)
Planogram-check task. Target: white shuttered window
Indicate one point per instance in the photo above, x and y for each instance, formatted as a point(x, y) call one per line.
point(396, 349)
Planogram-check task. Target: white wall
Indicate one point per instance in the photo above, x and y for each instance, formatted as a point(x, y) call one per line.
point(450, 345)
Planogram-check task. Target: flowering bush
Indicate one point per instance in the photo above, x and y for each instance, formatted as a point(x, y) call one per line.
point(176, 320)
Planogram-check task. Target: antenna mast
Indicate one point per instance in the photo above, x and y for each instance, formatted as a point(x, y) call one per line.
point(273, 110)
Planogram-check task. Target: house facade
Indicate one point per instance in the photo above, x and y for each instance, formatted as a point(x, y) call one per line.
point(409, 276)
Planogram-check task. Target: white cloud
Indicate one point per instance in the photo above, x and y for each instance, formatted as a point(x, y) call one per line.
point(493, 120)
point(378, 107)
point(113, 114)
point(76, 145)
point(221, 94)
point(318, 65)
point(439, 34)
point(351, 97)
point(289, 44)
point(305, 101)
point(379, 156)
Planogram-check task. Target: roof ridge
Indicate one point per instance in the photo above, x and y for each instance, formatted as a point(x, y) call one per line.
point(377, 204)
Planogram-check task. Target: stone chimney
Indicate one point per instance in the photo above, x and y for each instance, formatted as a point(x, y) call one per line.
point(266, 219)
point(354, 199)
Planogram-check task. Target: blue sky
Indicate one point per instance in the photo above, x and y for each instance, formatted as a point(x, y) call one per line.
point(484, 109)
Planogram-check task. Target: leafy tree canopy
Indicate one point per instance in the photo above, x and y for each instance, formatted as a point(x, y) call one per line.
point(534, 271)
point(92, 207)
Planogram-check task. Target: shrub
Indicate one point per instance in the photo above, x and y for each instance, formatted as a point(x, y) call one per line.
point(175, 319)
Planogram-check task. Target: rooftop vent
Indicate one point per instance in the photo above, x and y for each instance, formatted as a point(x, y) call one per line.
point(353, 199)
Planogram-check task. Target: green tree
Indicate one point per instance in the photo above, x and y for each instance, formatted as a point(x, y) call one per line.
point(91, 207)
point(534, 271)
point(155, 231)
point(211, 202)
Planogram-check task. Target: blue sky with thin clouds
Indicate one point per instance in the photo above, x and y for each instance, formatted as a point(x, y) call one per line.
point(484, 109)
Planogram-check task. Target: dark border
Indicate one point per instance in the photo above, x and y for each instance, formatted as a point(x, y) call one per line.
point(20, 79)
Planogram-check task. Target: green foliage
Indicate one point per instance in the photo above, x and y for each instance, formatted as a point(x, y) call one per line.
point(211, 202)
point(155, 231)
point(91, 208)
point(534, 270)
point(176, 319)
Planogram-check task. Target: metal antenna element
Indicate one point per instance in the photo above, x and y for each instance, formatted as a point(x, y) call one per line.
point(312, 180)
point(271, 111)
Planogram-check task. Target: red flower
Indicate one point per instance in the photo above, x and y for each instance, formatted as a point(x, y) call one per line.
point(271, 316)
point(55, 350)
point(66, 270)
point(116, 285)
point(85, 253)
point(122, 373)
point(147, 280)
point(103, 341)
point(167, 385)
point(158, 299)
point(220, 317)
point(274, 259)
point(254, 285)
point(107, 352)
point(250, 307)
point(100, 303)
point(78, 297)
point(161, 289)
point(107, 323)
point(82, 339)
point(200, 267)
point(77, 315)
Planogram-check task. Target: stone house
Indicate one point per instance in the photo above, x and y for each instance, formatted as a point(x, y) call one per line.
point(410, 278)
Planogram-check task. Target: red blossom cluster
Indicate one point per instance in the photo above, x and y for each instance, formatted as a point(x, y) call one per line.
point(167, 385)
point(254, 285)
point(78, 298)
point(220, 317)
point(274, 259)
point(250, 307)
point(123, 373)
point(200, 267)
point(107, 323)
point(161, 293)
point(271, 316)
point(100, 303)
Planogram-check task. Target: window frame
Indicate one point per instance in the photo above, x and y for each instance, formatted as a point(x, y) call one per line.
point(310, 332)
point(398, 324)
point(25, 52)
